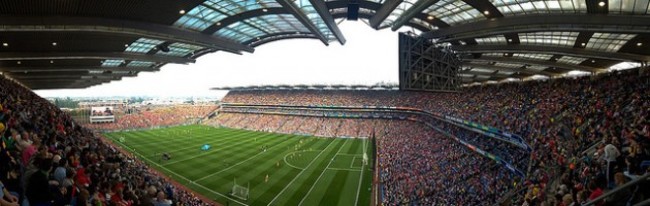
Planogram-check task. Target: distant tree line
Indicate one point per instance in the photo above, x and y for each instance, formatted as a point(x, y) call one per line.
point(66, 103)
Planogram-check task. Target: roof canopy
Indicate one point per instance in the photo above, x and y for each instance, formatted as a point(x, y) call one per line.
point(77, 44)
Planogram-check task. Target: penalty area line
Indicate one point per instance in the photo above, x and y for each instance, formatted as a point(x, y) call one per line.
point(164, 168)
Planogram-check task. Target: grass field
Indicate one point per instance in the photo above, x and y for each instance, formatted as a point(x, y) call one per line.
point(301, 170)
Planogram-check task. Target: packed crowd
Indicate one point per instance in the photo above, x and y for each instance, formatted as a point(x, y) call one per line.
point(154, 116)
point(422, 167)
point(289, 124)
point(559, 118)
point(47, 159)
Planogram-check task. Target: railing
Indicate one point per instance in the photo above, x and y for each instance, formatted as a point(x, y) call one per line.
point(634, 182)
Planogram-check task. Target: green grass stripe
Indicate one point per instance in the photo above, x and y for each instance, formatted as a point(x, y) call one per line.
point(237, 147)
point(237, 154)
point(219, 142)
point(258, 169)
point(244, 158)
point(150, 138)
point(295, 194)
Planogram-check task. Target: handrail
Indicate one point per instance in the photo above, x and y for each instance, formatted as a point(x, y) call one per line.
point(615, 190)
point(645, 202)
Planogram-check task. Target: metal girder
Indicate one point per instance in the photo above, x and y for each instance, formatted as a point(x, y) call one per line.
point(297, 12)
point(41, 75)
point(119, 27)
point(325, 14)
point(383, 12)
point(535, 62)
point(75, 68)
point(279, 36)
point(617, 56)
point(76, 84)
point(546, 22)
point(63, 77)
point(92, 55)
point(494, 74)
point(492, 67)
point(407, 15)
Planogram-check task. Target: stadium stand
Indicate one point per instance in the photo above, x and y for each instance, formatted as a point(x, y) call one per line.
point(156, 116)
point(39, 140)
point(583, 130)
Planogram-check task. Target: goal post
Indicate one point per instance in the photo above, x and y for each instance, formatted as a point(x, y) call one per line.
point(239, 191)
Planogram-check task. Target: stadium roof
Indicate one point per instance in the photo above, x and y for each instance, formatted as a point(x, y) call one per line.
point(81, 43)
point(309, 87)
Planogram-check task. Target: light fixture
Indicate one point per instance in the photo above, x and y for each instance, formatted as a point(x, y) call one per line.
point(265, 10)
point(639, 44)
point(5, 44)
point(601, 4)
point(486, 12)
point(18, 62)
point(51, 61)
point(181, 11)
point(583, 44)
point(126, 45)
point(54, 43)
point(218, 23)
point(430, 17)
point(509, 40)
point(593, 61)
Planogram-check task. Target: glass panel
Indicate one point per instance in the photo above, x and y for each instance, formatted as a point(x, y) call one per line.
point(635, 7)
point(492, 40)
point(482, 70)
point(608, 42)
point(508, 65)
point(315, 18)
point(405, 5)
point(140, 64)
point(536, 67)
point(180, 49)
point(112, 62)
point(454, 12)
point(508, 73)
point(199, 18)
point(239, 32)
point(143, 45)
point(625, 65)
point(533, 56)
point(571, 60)
point(212, 11)
point(562, 39)
point(520, 7)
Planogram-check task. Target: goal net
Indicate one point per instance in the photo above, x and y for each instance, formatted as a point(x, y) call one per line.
point(239, 191)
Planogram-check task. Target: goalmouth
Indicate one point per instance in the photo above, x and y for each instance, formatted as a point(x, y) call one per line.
point(239, 191)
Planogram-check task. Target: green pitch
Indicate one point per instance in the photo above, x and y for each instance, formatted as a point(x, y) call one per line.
point(301, 170)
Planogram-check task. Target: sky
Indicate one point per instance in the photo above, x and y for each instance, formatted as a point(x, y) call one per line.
point(368, 57)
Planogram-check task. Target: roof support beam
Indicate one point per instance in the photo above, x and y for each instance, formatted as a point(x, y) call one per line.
point(416, 9)
point(302, 17)
point(76, 84)
point(524, 71)
point(535, 62)
point(119, 27)
point(54, 75)
point(617, 56)
point(325, 14)
point(92, 55)
point(383, 12)
point(546, 22)
point(76, 68)
point(492, 74)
